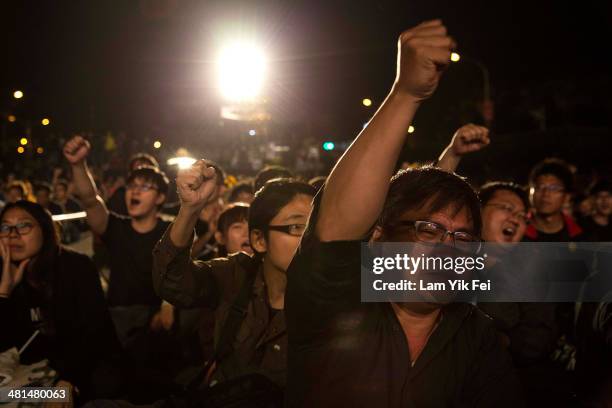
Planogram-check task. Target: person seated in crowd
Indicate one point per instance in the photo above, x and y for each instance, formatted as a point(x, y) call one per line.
point(62, 198)
point(551, 183)
point(268, 173)
point(232, 233)
point(116, 203)
point(15, 191)
point(53, 295)
point(346, 353)
point(129, 240)
point(597, 227)
point(241, 193)
point(42, 191)
point(246, 292)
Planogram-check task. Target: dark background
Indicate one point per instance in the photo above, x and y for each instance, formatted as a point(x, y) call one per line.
point(146, 68)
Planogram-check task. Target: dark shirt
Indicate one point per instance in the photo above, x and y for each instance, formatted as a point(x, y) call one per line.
point(344, 353)
point(131, 262)
point(260, 345)
point(571, 231)
point(594, 232)
point(54, 208)
point(116, 202)
point(77, 334)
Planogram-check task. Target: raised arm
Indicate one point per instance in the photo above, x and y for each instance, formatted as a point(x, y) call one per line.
point(468, 138)
point(76, 151)
point(357, 186)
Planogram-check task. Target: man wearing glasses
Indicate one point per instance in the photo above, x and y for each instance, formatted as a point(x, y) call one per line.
point(424, 354)
point(551, 183)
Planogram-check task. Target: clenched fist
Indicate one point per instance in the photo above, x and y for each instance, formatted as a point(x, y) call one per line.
point(196, 185)
point(76, 150)
point(423, 53)
point(469, 138)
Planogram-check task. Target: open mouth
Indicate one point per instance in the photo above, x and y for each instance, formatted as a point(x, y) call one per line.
point(509, 232)
point(245, 246)
point(134, 202)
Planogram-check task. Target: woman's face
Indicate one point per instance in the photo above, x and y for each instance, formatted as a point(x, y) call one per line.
point(25, 244)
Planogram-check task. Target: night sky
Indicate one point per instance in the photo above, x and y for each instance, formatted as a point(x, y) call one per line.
point(142, 66)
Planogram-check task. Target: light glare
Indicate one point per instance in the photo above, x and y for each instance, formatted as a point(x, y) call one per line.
point(181, 162)
point(455, 57)
point(18, 94)
point(242, 68)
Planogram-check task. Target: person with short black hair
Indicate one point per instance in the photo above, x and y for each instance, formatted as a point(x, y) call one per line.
point(268, 173)
point(551, 183)
point(252, 341)
point(42, 191)
point(343, 352)
point(241, 193)
point(232, 233)
point(15, 191)
point(133, 303)
point(116, 202)
point(598, 227)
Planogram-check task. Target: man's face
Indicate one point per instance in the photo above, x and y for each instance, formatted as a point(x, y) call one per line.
point(59, 192)
point(548, 195)
point(236, 238)
point(142, 198)
point(603, 203)
point(449, 218)
point(504, 218)
point(280, 246)
point(42, 198)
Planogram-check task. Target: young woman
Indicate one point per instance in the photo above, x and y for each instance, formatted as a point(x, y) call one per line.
point(51, 291)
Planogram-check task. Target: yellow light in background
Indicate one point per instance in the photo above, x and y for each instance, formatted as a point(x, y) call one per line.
point(23, 141)
point(241, 68)
point(20, 150)
point(45, 121)
point(367, 102)
point(18, 94)
point(157, 144)
point(11, 118)
point(40, 150)
point(410, 129)
point(455, 57)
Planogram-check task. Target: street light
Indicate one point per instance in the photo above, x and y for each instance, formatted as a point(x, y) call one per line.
point(410, 129)
point(23, 141)
point(157, 144)
point(18, 94)
point(367, 102)
point(11, 118)
point(45, 122)
point(455, 57)
point(241, 68)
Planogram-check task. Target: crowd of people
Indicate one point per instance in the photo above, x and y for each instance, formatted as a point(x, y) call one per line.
point(247, 293)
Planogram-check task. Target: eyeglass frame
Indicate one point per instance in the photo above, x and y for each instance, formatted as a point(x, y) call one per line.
point(510, 210)
point(285, 229)
point(143, 188)
point(15, 227)
point(414, 224)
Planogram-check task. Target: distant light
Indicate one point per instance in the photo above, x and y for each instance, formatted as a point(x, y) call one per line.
point(241, 70)
point(45, 121)
point(181, 162)
point(367, 102)
point(23, 141)
point(18, 94)
point(20, 150)
point(11, 118)
point(157, 144)
point(40, 150)
point(328, 146)
point(410, 129)
point(252, 132)
point(455, 57)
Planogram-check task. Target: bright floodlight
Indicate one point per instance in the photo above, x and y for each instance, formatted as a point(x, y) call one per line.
point(181, 162)
point(242, 68)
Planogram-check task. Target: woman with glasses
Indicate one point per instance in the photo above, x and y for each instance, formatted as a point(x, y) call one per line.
point(246, 292)
point(53, 295)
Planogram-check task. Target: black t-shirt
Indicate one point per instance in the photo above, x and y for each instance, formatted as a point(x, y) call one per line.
point(131, 262)
point(594, 232)
point(346, 353)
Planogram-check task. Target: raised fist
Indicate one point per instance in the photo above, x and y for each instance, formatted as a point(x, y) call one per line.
point(469, 138)
point(423, 53)
point(76, 150)
point(196, 185)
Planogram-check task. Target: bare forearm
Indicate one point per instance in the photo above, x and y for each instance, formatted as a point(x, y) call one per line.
point(448, 160)
point(181, 233)
point(84, 185)
point(357, 187)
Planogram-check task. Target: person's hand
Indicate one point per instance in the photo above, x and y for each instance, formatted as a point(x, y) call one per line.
point(423, 53)
point(76, 150)
point(469, 138)
point(196, 185)
point(164, 319)
point(11, 274)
